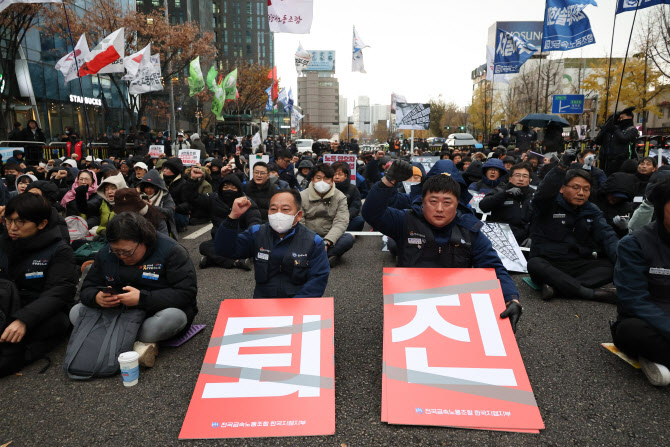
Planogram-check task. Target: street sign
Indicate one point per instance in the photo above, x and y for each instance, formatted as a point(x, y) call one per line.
point(568, 104)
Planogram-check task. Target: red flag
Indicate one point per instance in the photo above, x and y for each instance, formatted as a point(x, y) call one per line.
point(275, 83)
point(106, 52)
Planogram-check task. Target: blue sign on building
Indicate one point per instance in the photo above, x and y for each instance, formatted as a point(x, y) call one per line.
point(568, 104)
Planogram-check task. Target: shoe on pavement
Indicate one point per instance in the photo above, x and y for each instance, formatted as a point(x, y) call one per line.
point(657, 374)
point(547, 292)
point(333, 261)
point(147, 353)
point(204, 262)
point(242, 264)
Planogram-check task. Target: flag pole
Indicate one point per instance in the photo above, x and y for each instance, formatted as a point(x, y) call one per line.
point(609, 68)
point(81, 86)
point(625, 59)
point(493, 96)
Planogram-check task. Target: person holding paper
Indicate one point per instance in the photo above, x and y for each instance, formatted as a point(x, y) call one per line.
point(435, 233)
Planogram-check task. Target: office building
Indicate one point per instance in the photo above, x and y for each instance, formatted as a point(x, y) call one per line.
point(319, 92)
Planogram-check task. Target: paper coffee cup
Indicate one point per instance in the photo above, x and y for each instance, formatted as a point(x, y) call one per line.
point(130, 368)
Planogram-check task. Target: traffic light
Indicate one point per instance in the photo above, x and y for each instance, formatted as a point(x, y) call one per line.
point(462, 128)
point(447, 127)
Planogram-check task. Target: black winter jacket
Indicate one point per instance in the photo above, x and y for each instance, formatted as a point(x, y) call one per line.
point(353, 197)
point(515, 211)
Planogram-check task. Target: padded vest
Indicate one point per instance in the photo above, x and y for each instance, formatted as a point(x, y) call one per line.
point(418, 247)
point(657, 255)
point(286, 279)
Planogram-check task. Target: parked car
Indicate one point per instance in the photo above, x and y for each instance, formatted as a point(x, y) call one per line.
point(461, 140)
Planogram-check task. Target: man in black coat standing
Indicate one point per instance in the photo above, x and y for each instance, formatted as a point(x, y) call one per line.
point(615, 140)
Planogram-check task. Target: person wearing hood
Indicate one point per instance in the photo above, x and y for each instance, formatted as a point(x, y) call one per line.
point(32, 132)
point(615, 200)
point(172, 176)
point(107, 191)
point(153, 186)
point(344, 185)
point(642, 280)
point(573, 249)
point(196, 184)
point(49, 191)
point(12, 170)
point(36, 259)
point(126, 171)
point(16, 158)
point(82, 200)
point(197, 144)
point(472, 173)
point(290, 260)
point(326, 213)
point(181, 143)
point(261, 188)
point(510, 203)
point(215, 167)
point(303, 178)
point(140, 170)
point(129, 200)
point(21, 183)
point(493, 174)
point(524, 137)
point(616, 139)
point(218, 205)
point(431, 234)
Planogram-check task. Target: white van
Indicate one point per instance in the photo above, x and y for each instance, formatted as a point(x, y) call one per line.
point(304, 145)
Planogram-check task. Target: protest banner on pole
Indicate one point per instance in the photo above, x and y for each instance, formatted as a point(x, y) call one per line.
point(155, 150)
point(505, 244)
point(268, 371)
point(253, 159)
point(412, 116)
point(189, 157)
point(448, 359)
point(427, 162)
point(349, 159)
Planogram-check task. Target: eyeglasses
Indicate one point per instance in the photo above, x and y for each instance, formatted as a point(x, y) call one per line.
point(124, 253)
point(19, 223)
point(260, 174)
point(577, 188)
point(521, 175)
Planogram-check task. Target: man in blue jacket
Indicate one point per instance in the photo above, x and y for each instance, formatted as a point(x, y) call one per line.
point(290, 260)
point(642, 279)
point(573, 249)
point(436, 233)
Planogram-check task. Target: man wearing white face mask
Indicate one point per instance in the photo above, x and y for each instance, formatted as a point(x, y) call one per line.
point(326, 212)
point(290, 260)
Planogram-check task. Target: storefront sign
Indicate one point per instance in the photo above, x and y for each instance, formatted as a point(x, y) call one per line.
point(349, 159)
point(448, 358)
point(85, 100)
point(268, 371)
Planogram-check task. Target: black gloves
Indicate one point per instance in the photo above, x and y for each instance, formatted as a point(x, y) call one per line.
point(400, 171)
point(81, 190)
point(568, 157)
point(513, 312)
point(515, 192)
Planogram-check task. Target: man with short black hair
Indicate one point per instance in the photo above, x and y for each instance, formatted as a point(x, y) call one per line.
point(343, 184)
point(435, 234)
point(326, 212)
point(287, 170)
point(261, 188)
point(290, 260)
point(573, 249)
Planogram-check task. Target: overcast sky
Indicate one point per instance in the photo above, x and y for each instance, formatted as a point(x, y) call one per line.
point(424, 48)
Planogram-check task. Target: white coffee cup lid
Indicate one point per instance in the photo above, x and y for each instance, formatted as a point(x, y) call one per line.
point(129, 356)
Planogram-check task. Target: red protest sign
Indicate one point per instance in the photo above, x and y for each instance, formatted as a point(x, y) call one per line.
point(449, 360)
point(268, 371)
point(349, 159)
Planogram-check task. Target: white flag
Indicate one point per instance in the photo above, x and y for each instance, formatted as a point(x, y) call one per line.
point(5, 3)
point(357, 54)
point(108, 51)
point(490, 57)
point(290, 16)
point(67, 65)
point(132, 64)
point(295, 119)
point(256, 141)
point(147, 79)
point(302, 59)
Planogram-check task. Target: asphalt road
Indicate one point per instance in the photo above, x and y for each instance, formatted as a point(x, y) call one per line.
point(586, 395)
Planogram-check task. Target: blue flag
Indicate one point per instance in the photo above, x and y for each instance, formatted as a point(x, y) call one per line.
point(268, 105)
point(566, 27)
point(631, 5)
point(511, 52)
point(289, 106)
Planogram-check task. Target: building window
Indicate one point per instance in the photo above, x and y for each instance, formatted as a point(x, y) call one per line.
point(249, 8)
point(248, 36)
point(177, 3)
point(156, 2)
point(225, 7)
point(250, 21)
point(248, 49)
